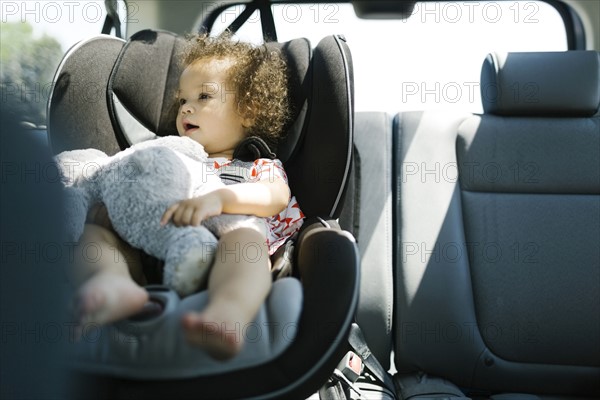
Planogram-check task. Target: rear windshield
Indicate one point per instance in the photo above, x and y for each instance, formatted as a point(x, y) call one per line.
point(431, 60)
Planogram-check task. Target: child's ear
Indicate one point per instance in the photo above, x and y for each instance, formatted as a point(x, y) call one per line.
point(248, 117)
point(247, 122)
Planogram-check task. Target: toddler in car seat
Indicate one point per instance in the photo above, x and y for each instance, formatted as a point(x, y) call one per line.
point(229, 91)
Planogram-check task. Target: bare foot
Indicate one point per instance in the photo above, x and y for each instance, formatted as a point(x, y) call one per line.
point(108, 297)
point(221, 338)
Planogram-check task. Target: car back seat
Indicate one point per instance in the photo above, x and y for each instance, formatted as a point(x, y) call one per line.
point(495, 224)
point(497, 269)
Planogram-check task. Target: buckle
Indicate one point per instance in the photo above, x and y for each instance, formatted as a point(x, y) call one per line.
point(351, 366)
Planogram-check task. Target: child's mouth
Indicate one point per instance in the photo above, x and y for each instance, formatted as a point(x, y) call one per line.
point(188, 126)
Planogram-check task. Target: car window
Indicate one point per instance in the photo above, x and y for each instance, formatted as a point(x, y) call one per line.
point(34, 36)
point(431, 60)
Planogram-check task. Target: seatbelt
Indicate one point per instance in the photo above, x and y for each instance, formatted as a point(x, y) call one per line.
point(242, 18)
point(266, 19)
point(361, 348)
point(112, 19)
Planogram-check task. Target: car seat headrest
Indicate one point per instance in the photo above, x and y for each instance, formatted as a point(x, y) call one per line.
point(144, 83)
point(541, 83)
point(297, 55)
point(78, 116)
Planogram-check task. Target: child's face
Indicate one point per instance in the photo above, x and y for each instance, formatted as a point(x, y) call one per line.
point(208, 108)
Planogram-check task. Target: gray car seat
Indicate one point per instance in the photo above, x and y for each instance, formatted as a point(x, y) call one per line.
point(123, 106)
point(498, 274)
point(496, 225)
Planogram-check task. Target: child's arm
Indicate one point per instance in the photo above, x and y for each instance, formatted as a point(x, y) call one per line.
point(264, 198)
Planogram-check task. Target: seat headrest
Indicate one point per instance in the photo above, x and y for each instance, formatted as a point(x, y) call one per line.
point(150, 96)
point(541, 83)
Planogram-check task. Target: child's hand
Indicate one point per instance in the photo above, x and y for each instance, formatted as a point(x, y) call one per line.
point(193, 211)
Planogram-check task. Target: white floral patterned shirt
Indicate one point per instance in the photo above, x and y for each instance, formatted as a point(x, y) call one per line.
point(280, 226)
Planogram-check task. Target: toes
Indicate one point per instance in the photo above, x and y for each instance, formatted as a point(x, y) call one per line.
point(218, 342)
point(86, 305)
point(106, 299)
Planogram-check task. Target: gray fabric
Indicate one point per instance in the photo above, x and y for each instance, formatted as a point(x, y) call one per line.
point(78, 116)
point(435, 324)
point(541, 83)
point(156, 348)
point(534, 267)
point(532, 221)
point(297, 54)
point(427, 387)
point(532, 218)
point(372, 391)
point(463, 318)
point(133, 130)
point(323, 155)
point(529, 155)
point(499, 375)
point(373, 139)
point(145, 79)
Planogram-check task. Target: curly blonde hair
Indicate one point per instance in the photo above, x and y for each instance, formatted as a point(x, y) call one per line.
point(259, 76)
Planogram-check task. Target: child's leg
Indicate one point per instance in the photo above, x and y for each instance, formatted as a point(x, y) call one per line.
point(104, 266)
point(238, 284)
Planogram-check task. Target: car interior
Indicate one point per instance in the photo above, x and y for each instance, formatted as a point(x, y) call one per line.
point(446, 155)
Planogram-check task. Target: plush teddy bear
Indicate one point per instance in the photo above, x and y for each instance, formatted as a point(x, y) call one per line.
point(137, 185)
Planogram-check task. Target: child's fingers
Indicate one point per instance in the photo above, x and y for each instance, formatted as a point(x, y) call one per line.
point(197, 217)
point(183, 216)
point(169, 214)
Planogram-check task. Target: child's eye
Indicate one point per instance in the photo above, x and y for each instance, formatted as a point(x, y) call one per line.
point(203, 96)
point(181, 102)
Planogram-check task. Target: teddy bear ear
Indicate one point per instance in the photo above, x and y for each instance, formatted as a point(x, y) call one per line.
point(252, 148)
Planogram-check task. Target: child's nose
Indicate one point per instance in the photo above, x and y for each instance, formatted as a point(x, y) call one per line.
point(187, 109)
